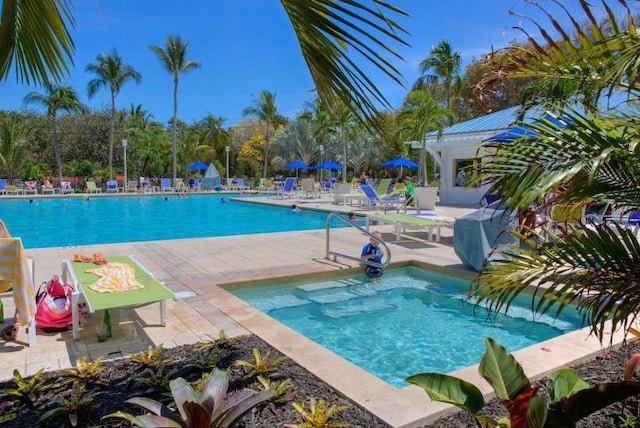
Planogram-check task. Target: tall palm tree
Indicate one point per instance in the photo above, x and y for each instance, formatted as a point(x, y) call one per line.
point(34, 36)
point(581, 156)
point(444, 65)
point(111, 72)
point(421, 114)
point(265, 110)
point(56, 98)
point(173, 59)
point(331, 34)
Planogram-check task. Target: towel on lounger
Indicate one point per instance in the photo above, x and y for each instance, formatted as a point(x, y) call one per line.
point(115, 278)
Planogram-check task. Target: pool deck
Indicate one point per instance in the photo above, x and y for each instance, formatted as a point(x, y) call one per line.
point(198, 265)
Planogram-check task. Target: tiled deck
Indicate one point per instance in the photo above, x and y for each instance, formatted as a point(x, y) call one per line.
point(197, 265)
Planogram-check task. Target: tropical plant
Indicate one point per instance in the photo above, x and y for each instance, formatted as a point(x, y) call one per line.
point(151, 358)
point(34, 36)
point(420, 114)
point(262, 364)
point(173, 58)
point(318, 415)
point(208, 408)
point(156, 381)
point(13, 146)
point(206, 360)
point(265, 110)
point(283, 391)
point(570, 398)
point(86, 372)
point(579, 156)
point(56, 98)
point(27, 390)
point(76, 408)
point(111, 73)
point(444, 64)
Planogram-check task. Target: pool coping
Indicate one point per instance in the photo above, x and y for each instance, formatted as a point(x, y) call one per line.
point(404, 407)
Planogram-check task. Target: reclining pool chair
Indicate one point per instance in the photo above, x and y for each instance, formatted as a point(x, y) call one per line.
point(371, 198)
point(289, 189)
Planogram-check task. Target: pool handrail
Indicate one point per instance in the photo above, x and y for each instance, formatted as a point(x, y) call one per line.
point(335, 254)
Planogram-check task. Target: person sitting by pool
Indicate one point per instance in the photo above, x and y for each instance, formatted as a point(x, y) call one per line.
point(372, 252)
point(46, 185)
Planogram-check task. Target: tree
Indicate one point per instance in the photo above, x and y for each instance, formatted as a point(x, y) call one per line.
point(579, 156)
point(56, 98)
point(173, 59)
point(265, 110)
point(444, 65)
point(13, 147)
point(331, 33)
point(34, 36)
point(420, 114)
point(111, 72)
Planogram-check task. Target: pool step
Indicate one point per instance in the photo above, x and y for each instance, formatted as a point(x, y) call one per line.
point(362, 307)
point(280, 302)
point(315, 286)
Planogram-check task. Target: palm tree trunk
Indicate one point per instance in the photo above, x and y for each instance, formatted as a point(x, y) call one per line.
point(345, 153)
point(112, 131)
point(174, 146)
point(56, 148)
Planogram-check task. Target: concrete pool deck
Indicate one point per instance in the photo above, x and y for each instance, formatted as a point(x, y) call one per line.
point(195, 267)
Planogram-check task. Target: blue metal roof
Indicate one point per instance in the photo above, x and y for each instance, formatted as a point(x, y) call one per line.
point(497, 121)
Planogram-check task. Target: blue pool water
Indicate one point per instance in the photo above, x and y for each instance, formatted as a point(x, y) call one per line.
point(55, 222)
point(408, 321)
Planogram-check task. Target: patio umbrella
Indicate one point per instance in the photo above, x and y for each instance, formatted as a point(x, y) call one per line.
point(297, 164)
point(400, 162)
point(198, 166)
point(330, 165)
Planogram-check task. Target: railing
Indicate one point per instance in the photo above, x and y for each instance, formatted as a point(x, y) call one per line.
point(335, 254)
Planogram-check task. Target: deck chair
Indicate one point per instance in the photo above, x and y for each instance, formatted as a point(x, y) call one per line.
point(16, 268)
point(371, 198)
point(309, 188)
point(47, 187)
point(92, 187)
point(383, 186)
point(289, 189)
point(132, 186)
point(30, 187)
point(342, 194)
point(195, 185)
point(3, 186)
point(112, 186)
point(238, 184)
point(12, 189)
point(65, 187)
point(165, 185)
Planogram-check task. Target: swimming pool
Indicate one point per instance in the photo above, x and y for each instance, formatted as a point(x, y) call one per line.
point(59, 222)
point(409, 321)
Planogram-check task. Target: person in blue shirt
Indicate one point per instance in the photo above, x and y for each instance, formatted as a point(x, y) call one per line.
point(373, 253)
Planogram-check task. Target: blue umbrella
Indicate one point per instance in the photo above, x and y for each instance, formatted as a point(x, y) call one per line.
point(400, 162)
point(330, 165)
point(297, 164)
point(198, 166)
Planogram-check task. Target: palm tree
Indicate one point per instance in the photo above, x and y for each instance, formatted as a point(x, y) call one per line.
point(421, 114)
point(111, 72)
point(445, 66)
point(579, 157)
point(173, 59)
point(331, 33)
point(265, 110)
point(56, 98)
point(34, 37)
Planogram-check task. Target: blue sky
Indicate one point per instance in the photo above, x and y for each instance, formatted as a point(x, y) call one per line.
point(245, 46)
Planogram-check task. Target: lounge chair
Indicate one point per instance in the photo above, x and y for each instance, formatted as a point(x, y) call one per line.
point(132, 186)
point(165, 185)
point(383, 186)
point(152, 291)
point(30, 188)
point(309, 188)
point(92, 187)
point(15, 267)
point(65, 187)
point(238, 184)
point(195, 185)
point(425, 197)
point(403, 222)
point(47, 187)
point(289, 189)
point(12, 189)
point(3, 186)
point(342, 194)
point(371, 198)
point(112, 186)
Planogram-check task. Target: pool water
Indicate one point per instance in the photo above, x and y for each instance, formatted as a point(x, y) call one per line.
point(408, 321)
point(58, 222)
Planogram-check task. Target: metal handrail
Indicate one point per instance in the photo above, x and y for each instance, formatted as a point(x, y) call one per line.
point(335, 254)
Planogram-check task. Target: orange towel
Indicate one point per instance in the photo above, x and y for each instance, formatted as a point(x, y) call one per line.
point(115, 278)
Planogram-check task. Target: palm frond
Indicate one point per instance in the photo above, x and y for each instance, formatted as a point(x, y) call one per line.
point(34, 36)
point(330, 32)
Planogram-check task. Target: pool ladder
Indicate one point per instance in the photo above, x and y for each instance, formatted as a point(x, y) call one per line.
point(333, 255)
